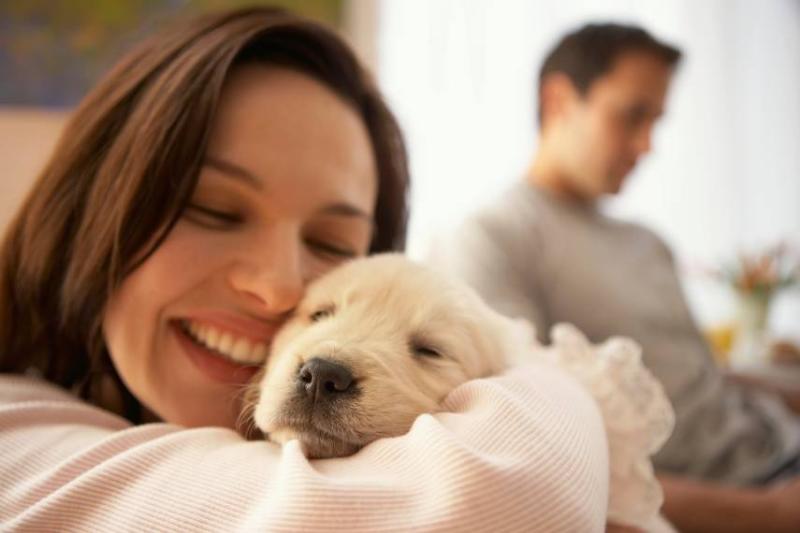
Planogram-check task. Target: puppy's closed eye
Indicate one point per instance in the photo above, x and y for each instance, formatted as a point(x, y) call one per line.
point(322, 313)
point(423, 348)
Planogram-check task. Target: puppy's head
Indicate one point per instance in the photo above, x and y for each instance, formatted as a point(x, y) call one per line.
point(373, 344)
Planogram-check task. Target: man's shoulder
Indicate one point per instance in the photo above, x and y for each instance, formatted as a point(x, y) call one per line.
point(496, 230)
point(518, 209)
point(640, 232)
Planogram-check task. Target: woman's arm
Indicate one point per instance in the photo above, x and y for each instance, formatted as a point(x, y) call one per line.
point(525, 451)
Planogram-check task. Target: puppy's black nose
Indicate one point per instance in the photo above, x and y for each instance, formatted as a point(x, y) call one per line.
point(323, 380)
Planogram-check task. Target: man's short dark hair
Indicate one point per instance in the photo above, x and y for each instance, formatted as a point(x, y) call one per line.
point(590, 52)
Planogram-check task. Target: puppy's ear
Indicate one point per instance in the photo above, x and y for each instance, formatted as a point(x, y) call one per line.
point(519, 340)
point(515, 339)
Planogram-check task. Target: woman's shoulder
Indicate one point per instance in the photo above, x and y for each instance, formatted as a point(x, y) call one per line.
point(27, 401)
point(19, 388)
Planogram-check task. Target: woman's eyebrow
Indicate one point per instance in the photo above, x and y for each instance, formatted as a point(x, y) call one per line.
point(346, 210)
point(235, 171)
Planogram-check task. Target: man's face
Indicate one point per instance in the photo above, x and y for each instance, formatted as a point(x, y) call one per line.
point(603, 133)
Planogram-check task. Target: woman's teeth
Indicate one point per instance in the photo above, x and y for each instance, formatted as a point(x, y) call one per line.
point(237, 349)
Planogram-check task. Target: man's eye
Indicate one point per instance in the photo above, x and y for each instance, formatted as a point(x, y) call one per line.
point(207, 216)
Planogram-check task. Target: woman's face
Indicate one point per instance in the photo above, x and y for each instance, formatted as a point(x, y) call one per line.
point(287, 192)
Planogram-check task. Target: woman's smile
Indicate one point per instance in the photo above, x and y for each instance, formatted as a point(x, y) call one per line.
point(212, 359)
point(226, 348)
point(242, 344)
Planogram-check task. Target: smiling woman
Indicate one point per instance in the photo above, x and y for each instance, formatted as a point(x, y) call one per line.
point(215, 172)
point(286, 193)
point(143, 172)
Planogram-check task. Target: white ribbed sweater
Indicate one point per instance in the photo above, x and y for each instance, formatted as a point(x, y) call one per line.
point(521, 452)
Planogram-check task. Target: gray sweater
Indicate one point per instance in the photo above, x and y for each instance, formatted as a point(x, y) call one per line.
point(531, 255)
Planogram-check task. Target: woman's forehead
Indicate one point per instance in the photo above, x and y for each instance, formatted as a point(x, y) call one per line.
point(287, 129)
point(273, 108)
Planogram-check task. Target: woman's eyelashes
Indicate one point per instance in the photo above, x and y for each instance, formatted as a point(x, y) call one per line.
point(327, 249)
point(210, 217)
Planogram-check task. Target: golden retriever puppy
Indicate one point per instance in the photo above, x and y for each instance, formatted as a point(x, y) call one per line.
point(381, 340)
point(374, 344)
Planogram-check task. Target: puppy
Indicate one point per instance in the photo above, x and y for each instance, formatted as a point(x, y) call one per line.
point(381, 340)
point(374, 344)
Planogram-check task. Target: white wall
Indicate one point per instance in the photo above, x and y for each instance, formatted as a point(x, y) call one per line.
point(725, 172)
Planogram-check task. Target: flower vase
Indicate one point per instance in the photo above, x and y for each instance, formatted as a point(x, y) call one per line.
point(750, 343)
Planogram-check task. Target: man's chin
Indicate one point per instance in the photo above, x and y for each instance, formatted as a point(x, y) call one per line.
point(612, 187)
point(617, 181)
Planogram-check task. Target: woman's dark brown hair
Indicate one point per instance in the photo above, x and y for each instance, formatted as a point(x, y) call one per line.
point(127, 164)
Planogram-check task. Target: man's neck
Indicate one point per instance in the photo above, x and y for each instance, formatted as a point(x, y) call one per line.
point(543, 173)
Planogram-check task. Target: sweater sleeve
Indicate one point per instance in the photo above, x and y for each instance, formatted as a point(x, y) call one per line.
point(524, 451)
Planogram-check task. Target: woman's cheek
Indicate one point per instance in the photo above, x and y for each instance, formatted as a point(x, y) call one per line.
point(195, 251)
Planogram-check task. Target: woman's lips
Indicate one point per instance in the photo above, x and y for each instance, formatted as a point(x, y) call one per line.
point(211, 364)
point(256, 330)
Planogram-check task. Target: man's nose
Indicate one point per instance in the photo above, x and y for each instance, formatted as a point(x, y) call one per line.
point(271, 273)
point(323, 380)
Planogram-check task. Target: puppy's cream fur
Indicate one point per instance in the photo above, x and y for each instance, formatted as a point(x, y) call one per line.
point(380, 317)
point(373, 315)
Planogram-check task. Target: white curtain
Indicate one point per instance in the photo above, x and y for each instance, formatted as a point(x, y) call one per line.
point(725, 170)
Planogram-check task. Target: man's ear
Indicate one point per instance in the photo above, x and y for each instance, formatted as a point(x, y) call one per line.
point(558, 96)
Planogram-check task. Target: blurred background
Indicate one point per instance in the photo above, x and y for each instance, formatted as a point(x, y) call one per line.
point(723, 178)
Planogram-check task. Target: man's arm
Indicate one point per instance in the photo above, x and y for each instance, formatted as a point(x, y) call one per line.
point(789, 393)
point(696, 506)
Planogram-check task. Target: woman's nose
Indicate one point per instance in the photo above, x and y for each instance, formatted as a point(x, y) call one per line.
point(270, 273)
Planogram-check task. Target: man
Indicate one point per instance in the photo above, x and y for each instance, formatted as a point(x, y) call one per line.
point(545, 252)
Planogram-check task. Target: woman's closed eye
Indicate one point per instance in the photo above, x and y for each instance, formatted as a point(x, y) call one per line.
point(210, 217)
point(330, 249)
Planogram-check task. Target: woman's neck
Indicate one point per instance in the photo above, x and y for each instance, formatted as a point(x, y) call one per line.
point(110, 397)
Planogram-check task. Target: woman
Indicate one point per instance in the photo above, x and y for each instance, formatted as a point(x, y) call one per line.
point(213, 173)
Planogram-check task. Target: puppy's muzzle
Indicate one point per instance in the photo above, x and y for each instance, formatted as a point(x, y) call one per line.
point(323, 381)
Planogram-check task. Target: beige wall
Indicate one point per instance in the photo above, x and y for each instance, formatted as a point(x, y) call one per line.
point(27, 137)
point(360, 28)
